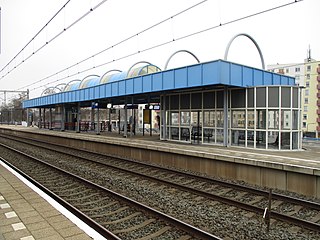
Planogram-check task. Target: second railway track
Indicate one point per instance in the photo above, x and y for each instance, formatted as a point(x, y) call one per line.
point(206, 193)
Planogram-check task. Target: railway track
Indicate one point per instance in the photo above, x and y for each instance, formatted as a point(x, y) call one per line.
point(111, 214)
point(284, 208)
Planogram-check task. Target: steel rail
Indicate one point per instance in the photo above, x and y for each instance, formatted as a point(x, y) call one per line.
point(196, 232)
point(97, 227)
point(258, 210)
point(276, 196)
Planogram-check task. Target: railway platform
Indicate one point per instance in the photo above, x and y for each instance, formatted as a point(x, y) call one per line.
point(296, 171)
point(25, 215)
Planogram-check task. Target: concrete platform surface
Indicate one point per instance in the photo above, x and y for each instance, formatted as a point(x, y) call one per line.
point(294, 171)
point(25, 215)
point(307, 160)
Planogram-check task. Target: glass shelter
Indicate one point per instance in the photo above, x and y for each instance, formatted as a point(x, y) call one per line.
point(265, 117)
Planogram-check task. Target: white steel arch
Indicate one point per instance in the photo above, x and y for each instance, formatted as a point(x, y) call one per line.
point(255, 43)
point(166, 65)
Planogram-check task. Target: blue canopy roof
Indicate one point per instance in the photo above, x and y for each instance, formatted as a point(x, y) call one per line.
point(212, 73)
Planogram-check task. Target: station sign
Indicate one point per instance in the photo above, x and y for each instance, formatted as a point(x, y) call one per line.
point(152, 107)
point(95, 105)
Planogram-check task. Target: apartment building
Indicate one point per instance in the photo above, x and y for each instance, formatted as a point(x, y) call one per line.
point(307, 75)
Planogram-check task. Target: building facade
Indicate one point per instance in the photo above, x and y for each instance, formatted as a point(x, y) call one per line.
point(307, 75)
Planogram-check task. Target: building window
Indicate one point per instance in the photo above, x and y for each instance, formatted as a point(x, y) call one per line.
point(309, 68)
point(304, 124)
point(308, 76)
point(308, 84)
point(306, 101)
point(305, 117)
point(305, 108)
point(297, 69)
point(306, 93)
point(287, 70)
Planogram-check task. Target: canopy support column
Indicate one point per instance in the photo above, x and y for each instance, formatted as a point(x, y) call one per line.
point(125, 127)
point(63, 115)
point(50, 118)
point(163, 133)
point(225, 116)
point(40, 119)
point(44, 118)
point(110, 124)
point(98, 120)
point(78, 118)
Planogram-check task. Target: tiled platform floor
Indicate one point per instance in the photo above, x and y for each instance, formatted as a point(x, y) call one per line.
point(25, 215)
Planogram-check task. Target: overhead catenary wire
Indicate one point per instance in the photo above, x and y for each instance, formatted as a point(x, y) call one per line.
point(156, 46)
point(49, 41)
point(33, 38)
point(119, 43)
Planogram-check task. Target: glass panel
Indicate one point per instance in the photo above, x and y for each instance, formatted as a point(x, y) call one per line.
point(185, 101)
point(238, 137)
point(295, 97)
point(295, 140)
point(250, 118)
point(208, 100)
point(167, 133)
point(238, 98)
point(261, 97)
point(168, 118)
point(174, 102)
point(220, 99)
point(285, 97)
point(250, 138)
point(250, 92)
point(261, 119)
point(273, 119)
point(285, 140)
point(238, 119)
point(167, 102)
point(219, 136)
point(196, 133)
point(196, 101)
point(295, 118)
point(208, 135)
point(174, 120)
point(285, 119)
point(196, 122)
point(220, 119)
point(273, 140)
point(273, 97)
point(161, 102)
point(185, 118)
point(161, 132)
point(196, 118)
point(185, 134)
point(174, 133)
point(209, 119)
point(260, 139)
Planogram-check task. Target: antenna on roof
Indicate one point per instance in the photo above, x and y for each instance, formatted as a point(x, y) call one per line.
point(309, 54)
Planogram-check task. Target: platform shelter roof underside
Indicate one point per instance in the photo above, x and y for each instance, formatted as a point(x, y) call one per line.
point(203, 75)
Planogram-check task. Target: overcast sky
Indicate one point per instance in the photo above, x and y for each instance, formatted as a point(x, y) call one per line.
point(283, 35)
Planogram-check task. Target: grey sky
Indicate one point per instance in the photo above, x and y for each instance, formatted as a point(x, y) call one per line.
point(283, 35)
